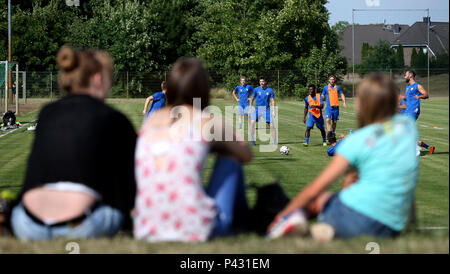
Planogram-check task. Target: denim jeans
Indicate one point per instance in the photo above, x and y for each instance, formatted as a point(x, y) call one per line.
point(349, 223)
point(103, 221)
point(227, 188)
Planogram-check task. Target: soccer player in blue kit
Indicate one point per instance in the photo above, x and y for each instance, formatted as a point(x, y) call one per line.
point(244, 92)
point(413, 94)
point(313, 105)
point(159, 101)
point(263, 95)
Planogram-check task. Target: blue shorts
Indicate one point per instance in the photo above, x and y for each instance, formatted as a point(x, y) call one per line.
point(243, 109)
point(332, 113)
point(414, 115)
point(349, 223)
point(262, 112)
point(313, 120)
point(103, 221)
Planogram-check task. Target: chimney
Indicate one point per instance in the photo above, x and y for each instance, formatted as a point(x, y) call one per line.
point(426, 19)
point(397, 29)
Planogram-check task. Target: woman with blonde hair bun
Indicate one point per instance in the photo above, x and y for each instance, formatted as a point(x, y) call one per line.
point(79, 181)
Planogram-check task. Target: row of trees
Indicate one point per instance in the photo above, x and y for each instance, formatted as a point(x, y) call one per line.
point(232, 37)
point(382, 56)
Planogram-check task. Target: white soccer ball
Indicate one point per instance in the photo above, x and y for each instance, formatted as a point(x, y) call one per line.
point(284, 150)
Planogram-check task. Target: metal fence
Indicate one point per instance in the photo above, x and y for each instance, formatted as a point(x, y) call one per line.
point(286, 83)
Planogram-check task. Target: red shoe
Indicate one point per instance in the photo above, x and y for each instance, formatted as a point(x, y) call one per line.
point(431, 150)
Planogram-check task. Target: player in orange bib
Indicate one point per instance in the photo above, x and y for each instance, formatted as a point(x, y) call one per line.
point(313, 106)
point(331, 93)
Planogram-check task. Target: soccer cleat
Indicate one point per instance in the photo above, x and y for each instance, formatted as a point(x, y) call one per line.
point(294, 223)
point(305, 144)
point(253, 143)
point(324, 144)
point(432, 148)
point(322, 232)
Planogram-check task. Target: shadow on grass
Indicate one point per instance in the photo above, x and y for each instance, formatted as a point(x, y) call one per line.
point(424, 153)
point(263, 159)
point(441, 152)
point(288, 143)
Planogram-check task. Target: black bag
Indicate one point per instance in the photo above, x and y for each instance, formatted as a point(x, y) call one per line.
point(270, 200)
point(9, 119)
point(5, 217)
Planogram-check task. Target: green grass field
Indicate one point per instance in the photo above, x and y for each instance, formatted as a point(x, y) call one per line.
point(295, 171)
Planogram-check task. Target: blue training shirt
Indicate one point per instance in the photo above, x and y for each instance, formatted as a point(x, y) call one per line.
point(412, 104)
point(332, 149)
point(384, 155)
point(325, 93)
point(263, 96)
point(244, 93)
point(401, 102)
point(159, 101)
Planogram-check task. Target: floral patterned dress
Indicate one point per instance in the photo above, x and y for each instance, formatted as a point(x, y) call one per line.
point(171, 204)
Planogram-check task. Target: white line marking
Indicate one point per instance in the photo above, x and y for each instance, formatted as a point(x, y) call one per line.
point(3, 135)
point(433, 228)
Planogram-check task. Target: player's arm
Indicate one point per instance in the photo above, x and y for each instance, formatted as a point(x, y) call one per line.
point(250, 94)
point(305, 112)
point(234, 95)
point(251, 101)
point(342, 97)
point(334, 169)
point(423, 92)
point(147, 101)
point(402, 106)
point(273, 106)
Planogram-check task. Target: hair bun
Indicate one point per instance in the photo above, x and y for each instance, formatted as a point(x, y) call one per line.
point(67, 59)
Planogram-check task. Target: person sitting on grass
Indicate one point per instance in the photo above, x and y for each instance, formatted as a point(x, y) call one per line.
point(79, 180)
point(172, 147)
point(331, 136)
point(158, 101)
point(382, 151)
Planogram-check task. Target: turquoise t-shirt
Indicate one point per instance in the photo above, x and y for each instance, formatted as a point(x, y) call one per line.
point(385, 156)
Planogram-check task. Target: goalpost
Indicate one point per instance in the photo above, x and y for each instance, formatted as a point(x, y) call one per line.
point(5, 85)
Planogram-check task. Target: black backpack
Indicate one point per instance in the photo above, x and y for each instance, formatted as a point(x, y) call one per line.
point(9, 119)
point(271, 199)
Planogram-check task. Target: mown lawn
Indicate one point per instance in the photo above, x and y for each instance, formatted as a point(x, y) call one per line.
point(294, 172)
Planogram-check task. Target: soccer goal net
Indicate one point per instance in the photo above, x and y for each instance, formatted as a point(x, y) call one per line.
point(9, 86)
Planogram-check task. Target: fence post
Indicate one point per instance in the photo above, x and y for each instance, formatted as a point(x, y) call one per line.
point(24, 86)
point(278, 82)
point(127, 84)
point(51, 86)
point(6, 86)
point(390, 74)
point(17, 89)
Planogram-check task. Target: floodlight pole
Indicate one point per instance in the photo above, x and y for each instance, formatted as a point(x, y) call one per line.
point(17, 88)
point(353, 52)
point(428, 49)
point(428, 36)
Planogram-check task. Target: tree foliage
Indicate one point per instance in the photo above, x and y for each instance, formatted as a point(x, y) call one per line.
point(399, 57)
point(232, 37)
point(381, 56)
